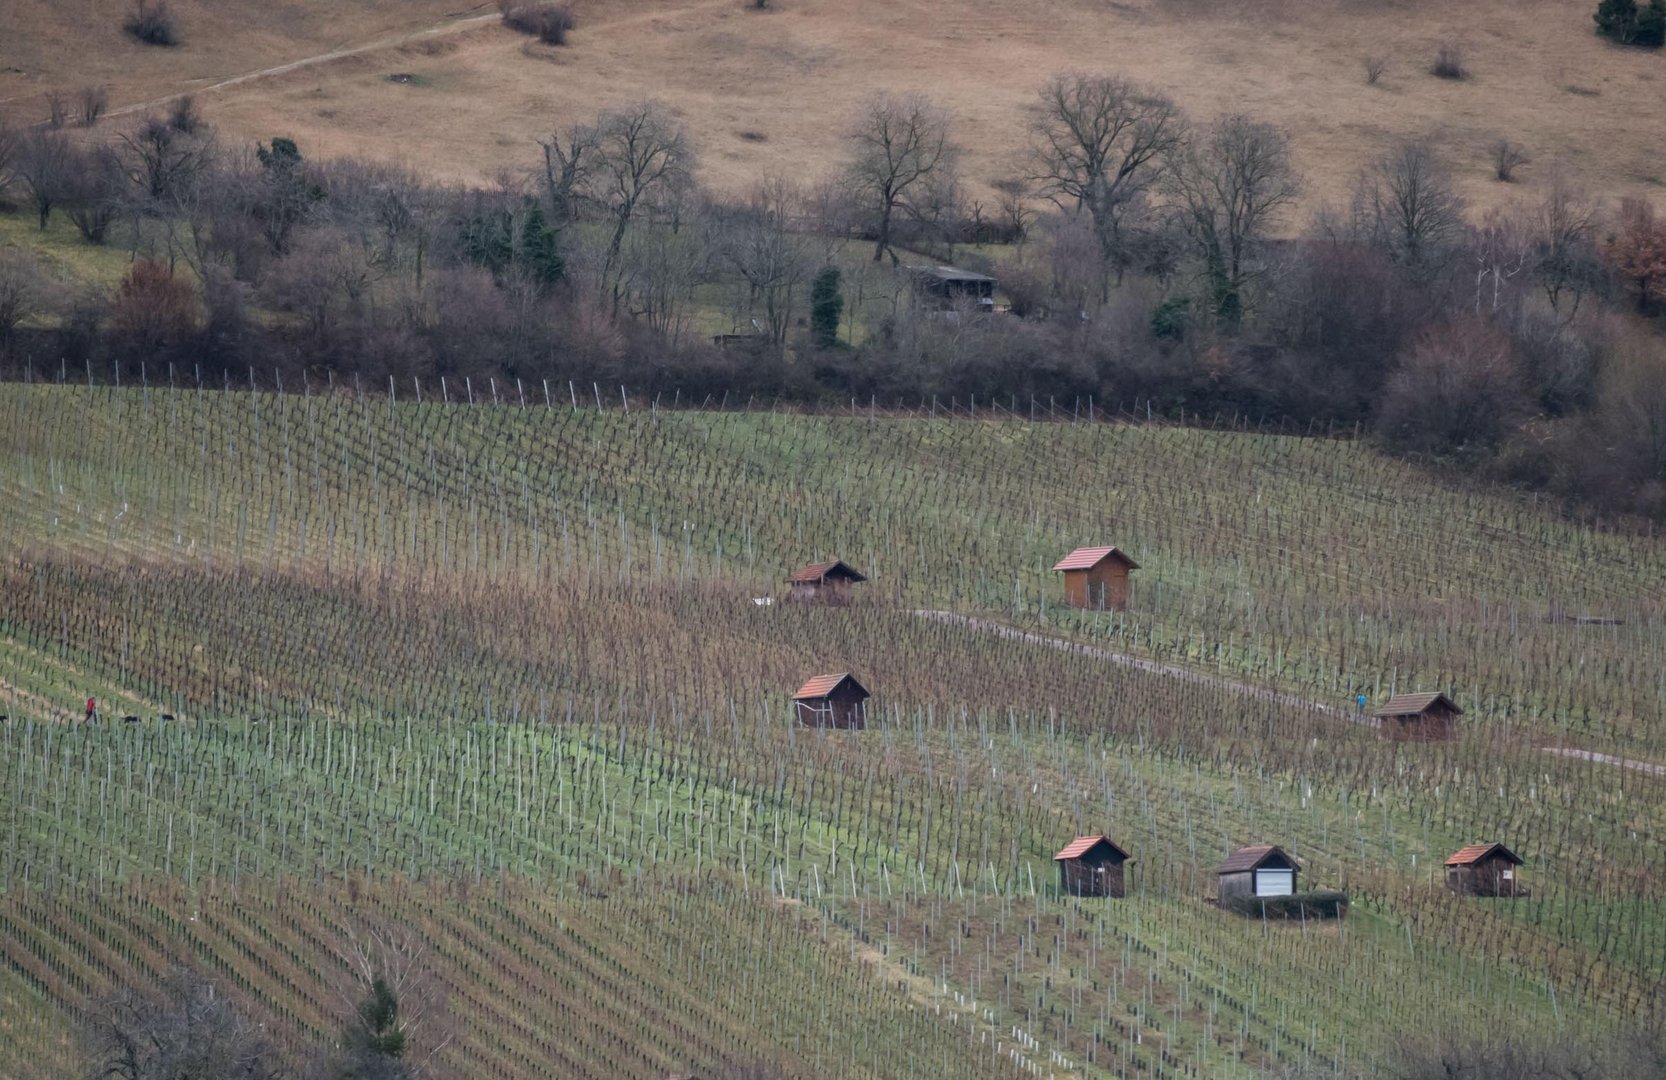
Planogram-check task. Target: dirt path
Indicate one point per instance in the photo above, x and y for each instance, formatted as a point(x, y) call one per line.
point(393, 41)
point(1014, 634)
point(444, 29)
point(1648, 767)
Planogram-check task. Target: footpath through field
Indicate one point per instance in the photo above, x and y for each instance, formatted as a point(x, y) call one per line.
point(1012, 633)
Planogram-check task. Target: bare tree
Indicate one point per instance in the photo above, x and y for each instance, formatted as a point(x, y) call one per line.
point(188, 1029)
point(768, 255)
point(398, 957)
point(1013, 201)
point(94, 192)
point(1567, 265)
point(161, 161)
point(640, 150)
point(1405, 204)
point(1499, 251)
point(1230, 183)
point(1099, 145)
point(43, 165)
point(25, 291)
point(900, 146)
point(57, 109)
point(568, 159)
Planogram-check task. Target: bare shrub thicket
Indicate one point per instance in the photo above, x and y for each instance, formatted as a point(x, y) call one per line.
point(152, 23)
point(91, 103)
point(1507, 157)
point(549, 23)
point(1460, 390)
point(1375, 64)
point(1449, 62)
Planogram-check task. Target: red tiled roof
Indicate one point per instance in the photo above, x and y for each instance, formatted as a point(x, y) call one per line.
point(822, 685)
point(1089, 557)
point(1412, 704)
point(1474, 853)
point(1248, 858)
point(816, 572)
point(1084, 844)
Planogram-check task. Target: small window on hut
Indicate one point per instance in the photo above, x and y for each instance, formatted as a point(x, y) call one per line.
point(1508, 874)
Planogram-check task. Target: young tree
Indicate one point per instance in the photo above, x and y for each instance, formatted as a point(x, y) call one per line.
point(900, 147)
point(285, 193)
point(153, 308)
point(1099, 145)
point(769, 256)
point(25, 291)
point(1637, 251)
point(43, 166)
point(1566, 265)
point(95, 191)
point(827, 307)
point(1230, 183)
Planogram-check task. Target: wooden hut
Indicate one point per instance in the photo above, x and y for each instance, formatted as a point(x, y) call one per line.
point(1262, 870)
point(1483, 870)
point(826, 582)
point(832, 701)
point(1091, 866)
point(1419, 717)
point(1096, 578)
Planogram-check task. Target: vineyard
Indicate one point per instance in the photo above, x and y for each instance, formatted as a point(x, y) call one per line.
point(502, 673)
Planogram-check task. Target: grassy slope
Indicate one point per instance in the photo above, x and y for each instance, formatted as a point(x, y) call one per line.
point(501, 644)
point(796, 74)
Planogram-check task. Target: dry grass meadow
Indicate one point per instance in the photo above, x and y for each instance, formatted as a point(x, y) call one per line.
point(770, 92)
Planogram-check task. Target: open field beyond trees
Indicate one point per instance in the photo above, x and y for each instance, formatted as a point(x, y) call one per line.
point(773, 92)
point(495, 674)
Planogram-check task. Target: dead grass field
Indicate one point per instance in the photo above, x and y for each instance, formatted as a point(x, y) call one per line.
point(771, 92)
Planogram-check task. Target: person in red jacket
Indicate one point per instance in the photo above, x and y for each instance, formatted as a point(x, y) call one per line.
point(92, 708)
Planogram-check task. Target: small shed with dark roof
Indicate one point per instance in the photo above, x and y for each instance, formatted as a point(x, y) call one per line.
point(832, 701)
point(1260, 870)
point(1484, 870)
point(1096, 578)
point(824, 582)
point(1091, 866)
point(1418, 717)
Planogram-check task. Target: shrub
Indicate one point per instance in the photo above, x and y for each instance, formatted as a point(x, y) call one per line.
point(1318, 904)
point(90, 104)
point(1461, 389)
point(152, 24)
point(1507, 157)
point(1375, 65)
point(153, 308)
point(1449, 62)
point(549, 23)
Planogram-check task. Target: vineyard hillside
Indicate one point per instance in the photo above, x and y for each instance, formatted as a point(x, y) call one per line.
point(510, 682)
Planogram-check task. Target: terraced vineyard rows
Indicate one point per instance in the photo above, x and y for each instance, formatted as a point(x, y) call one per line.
point(498, 674)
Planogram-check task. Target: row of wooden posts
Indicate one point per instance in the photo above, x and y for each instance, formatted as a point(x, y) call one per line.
point(1097, 578)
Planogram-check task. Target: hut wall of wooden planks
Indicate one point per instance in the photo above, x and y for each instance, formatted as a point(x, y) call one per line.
point(1096, 578)
point(1421, 717)
point(832, 701)
point(1091, 866)
point(1484, 870)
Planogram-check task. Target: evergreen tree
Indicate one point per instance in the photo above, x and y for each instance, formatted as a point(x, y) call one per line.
point(540, 252)
point(827, 306)
point(1623, 21)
